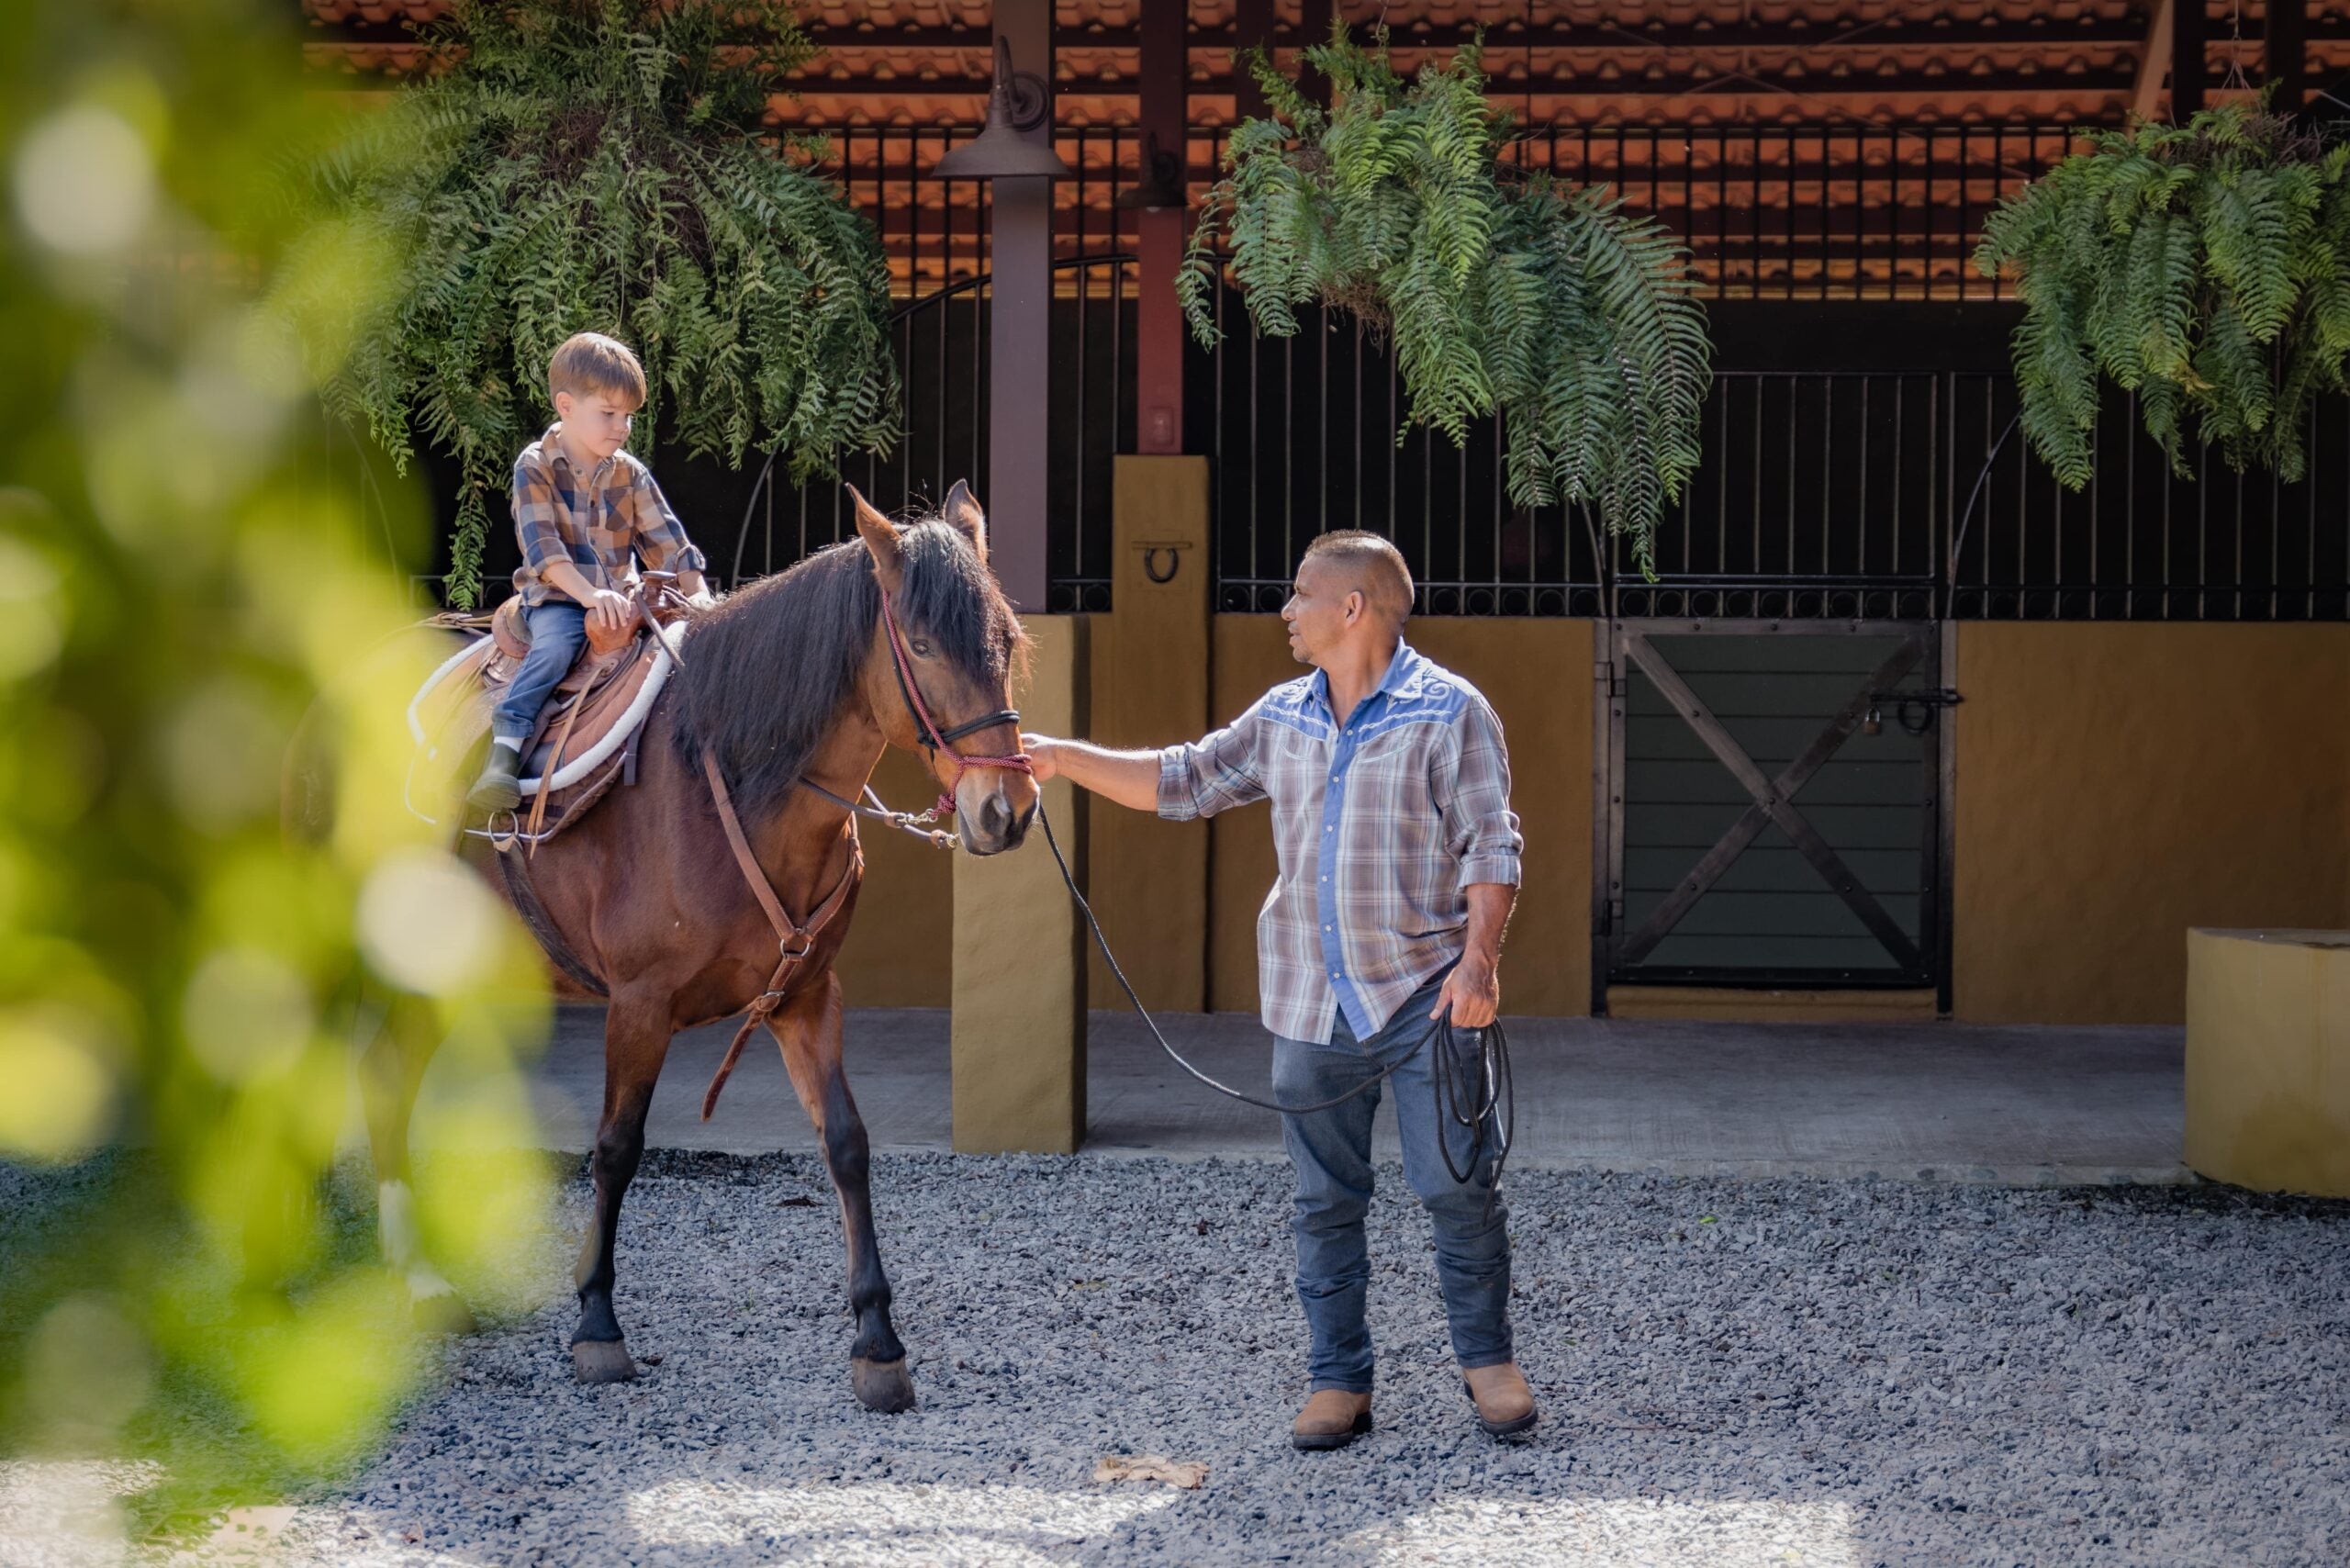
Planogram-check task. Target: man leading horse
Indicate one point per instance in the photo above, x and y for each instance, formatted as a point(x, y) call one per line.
point(1378, 949)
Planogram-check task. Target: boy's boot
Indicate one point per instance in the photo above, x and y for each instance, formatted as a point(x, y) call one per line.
point(499, 788)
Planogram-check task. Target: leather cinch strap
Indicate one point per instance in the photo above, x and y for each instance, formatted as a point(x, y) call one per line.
point(794, 939)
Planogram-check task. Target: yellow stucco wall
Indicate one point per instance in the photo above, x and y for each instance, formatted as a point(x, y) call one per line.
point(2268, 1059)
point(900, 945)
point(1536, 674)
point(2119, 783)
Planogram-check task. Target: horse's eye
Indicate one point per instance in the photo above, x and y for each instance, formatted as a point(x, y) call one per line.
point(921, 648)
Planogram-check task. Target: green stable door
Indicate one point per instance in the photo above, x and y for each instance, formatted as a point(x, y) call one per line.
point(1772, 803)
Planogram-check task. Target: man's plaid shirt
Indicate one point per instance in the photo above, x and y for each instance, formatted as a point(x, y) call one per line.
point(1379, 825)
point(603, 523)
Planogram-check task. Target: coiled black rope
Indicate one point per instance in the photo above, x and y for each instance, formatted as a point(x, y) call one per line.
point(1481, 1100)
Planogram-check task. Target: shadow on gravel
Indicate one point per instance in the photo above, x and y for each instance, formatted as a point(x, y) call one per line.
point(1764, 1372)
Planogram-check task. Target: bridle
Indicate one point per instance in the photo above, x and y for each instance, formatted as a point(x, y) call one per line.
point(930, 736)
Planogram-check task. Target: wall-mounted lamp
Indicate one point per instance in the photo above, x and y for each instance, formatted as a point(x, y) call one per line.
point(1018, 102)
point(1162, 180)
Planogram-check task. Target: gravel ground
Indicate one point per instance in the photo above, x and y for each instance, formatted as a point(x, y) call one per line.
point(1731, 1372)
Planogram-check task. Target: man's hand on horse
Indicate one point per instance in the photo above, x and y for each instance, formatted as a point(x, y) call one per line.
point(1473, 993)
point(1043, 756)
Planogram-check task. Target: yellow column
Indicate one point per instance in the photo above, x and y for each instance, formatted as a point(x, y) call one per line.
point(1018, 1053)
point(1150, 689)
point(2268, 1059)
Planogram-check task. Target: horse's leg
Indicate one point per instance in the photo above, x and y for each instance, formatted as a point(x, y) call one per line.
point(636, 1039)
point(390, 1067)
point(809, 1030)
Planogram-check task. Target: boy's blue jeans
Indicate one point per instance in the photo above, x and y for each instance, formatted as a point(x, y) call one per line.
point(558, 630)
point(1331, 1152)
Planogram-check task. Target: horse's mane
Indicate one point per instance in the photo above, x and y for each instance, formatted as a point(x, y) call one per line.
point(768, 668)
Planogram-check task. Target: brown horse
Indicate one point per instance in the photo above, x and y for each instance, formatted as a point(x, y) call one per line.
point(792, 689)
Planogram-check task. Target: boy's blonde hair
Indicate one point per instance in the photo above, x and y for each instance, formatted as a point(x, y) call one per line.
point(589, 363)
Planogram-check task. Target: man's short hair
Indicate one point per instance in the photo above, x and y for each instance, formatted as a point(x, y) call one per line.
point(1375, 565)
point(589, 363)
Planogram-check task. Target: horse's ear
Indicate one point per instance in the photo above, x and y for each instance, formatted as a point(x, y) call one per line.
point(881, 537)
point(963, 514)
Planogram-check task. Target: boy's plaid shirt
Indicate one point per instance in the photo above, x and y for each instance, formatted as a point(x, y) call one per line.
point(1378, 827)
point(603, 523)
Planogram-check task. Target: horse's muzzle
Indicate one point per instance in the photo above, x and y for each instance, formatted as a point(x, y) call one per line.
point(997, 825)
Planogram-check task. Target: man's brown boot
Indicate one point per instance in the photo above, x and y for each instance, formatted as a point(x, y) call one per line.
point(1332, 1418)
point(1505, 1405)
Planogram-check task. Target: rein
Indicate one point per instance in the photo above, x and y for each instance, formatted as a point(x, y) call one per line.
point(794, 939)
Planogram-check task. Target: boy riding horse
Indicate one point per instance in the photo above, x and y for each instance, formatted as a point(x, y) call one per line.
point(586, 513)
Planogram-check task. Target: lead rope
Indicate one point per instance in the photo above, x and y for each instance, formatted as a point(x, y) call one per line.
point(1499, 1092)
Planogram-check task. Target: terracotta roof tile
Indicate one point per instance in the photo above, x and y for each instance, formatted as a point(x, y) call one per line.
point(1667, 63)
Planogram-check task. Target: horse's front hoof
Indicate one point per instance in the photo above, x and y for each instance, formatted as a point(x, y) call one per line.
point(881, 1385)
point(603, 1361)
point(442, 1312)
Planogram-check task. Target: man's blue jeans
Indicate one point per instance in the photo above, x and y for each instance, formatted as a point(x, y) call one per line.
point(558, 630)
point(1331, 1152)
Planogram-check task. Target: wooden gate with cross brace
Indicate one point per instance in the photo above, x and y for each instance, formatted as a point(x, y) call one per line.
point(1773, 806)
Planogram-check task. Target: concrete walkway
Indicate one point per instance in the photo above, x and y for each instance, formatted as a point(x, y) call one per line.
point(2026, 1106)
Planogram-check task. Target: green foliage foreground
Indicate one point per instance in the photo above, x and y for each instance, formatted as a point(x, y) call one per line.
point(188, 578)
point(2204, 267)
point(1504, 291)
point(605, 165)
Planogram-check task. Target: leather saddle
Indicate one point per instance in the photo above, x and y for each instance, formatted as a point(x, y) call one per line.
point(588, 730)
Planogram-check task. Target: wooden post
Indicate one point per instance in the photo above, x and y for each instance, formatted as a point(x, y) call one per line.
point(1017, 1051)
point(1020, 257)
point(1161, 233)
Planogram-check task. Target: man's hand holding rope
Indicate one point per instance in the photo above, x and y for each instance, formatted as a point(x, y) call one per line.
point(1472, 993)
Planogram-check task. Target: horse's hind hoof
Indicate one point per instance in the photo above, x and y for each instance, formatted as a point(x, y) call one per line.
point(603, 1361)
point(881, 1385)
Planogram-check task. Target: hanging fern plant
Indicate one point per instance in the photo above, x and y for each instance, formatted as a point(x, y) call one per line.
point(1505, 292)
point(2205, 267)
point(569, 164)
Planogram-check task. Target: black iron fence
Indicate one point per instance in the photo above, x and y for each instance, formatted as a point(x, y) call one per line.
point(1895, 494)
point(1878, 494)
point(942, 347)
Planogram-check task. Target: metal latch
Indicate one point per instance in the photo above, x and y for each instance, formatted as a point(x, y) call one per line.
point(1913, 709)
